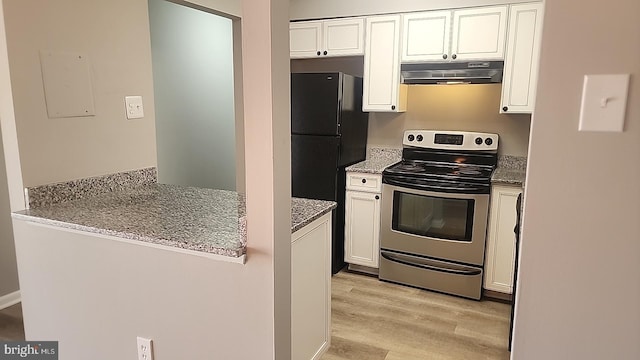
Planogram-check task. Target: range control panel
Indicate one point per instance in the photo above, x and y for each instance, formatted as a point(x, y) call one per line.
point(451, 140)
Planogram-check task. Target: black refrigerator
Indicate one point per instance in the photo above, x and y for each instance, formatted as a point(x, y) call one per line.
point(328, 133)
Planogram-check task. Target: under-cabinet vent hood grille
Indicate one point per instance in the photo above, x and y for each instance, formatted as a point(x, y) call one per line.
point(475, 72)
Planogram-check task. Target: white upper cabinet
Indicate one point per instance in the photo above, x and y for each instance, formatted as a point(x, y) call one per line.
point(381, 81)
point(479, 33)
point(305, 39)
point(341, 37)
point(521, 64)
point(476, 34)
point(426, 36)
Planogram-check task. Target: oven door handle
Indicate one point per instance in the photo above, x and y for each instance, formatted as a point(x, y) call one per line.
point(433, 186)
point(424, 265)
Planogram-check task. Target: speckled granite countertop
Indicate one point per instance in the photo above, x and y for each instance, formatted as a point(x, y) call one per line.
point(377, 160)
point(508, 176)
point(305, 211)
point(206, 220)
point(184, 217)
point(511, 170)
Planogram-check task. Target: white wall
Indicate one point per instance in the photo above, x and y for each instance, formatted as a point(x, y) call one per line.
point(8, 269)
point(459, 107)
point(579, 289)
point(228, 8)
point(314, 9)
point(192, 52)
point(98, 294)
point(267, 124)
point(260, 290)
point(11, 195)
point(117, 44)
point(8, 126)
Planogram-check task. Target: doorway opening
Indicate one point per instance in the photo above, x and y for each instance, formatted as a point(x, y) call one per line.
point(194, 89)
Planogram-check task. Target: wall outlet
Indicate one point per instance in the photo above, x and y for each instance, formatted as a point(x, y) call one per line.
point(134, 108)
point(145, 349)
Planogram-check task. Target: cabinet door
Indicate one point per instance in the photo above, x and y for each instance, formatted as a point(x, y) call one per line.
point(362, 228)
point(521, 63)
point(381, 84)
point(500, 256)
point(479, 33)
point(343, 37)
point(425, 36)
point(305, 39)
point(311, 290)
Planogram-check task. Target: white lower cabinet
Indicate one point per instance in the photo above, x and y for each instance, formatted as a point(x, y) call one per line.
point(311, 290)
point(362, 227)
point(500, 254)
point(362, 219)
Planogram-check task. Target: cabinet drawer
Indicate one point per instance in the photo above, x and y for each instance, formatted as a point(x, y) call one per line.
point(364, 182)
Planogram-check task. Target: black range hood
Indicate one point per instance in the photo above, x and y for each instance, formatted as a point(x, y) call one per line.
point(472, 72)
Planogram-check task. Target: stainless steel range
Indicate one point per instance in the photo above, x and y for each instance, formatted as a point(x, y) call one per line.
point(435, 204)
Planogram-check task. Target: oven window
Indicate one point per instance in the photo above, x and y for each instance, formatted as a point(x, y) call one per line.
point(442, 218)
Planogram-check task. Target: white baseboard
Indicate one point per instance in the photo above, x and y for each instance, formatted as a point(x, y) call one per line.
point(9, 299)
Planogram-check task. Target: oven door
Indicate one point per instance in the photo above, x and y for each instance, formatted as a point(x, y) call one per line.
point(434, 224)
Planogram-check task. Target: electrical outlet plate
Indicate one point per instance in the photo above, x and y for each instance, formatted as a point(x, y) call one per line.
point(134, 107)
point(145, 349)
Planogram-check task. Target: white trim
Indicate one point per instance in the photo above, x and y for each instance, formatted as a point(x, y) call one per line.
point(217, 257)
point(10, 299)
point(8, 126)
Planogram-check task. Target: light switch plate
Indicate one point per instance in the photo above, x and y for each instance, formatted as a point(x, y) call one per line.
point(604, 102)
point(134, 108)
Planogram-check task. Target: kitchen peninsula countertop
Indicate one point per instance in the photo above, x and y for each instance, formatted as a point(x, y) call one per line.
point(305, 211)
point(205, 220)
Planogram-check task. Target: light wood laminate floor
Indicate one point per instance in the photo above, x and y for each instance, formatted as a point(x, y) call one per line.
point(374, 320)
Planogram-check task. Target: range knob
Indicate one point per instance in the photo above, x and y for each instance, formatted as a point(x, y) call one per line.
point(419, 138)
point(410, 137)
point(488, 141)
point(478, 141)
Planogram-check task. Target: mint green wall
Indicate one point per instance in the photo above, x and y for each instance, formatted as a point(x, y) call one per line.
point(192, 55)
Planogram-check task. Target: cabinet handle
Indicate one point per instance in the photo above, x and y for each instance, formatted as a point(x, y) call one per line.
point(393, 107)
point(325, 52)
point(364, 181)
point(444, 56)
point(505, 108)
point(454, 56)
point(318, 53)
point(377, 197)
